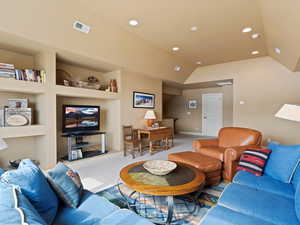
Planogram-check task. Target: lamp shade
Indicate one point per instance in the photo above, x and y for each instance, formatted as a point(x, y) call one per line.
point(3, 144)
point(150, 115)
point(289, 112)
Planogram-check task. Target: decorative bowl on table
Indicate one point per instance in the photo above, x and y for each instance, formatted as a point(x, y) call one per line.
point(159, 167)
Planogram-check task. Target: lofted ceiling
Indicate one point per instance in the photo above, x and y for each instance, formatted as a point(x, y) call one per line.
point(219, 38)
point(167, 23)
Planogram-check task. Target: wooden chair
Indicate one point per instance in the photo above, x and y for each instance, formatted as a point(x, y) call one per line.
point(131, 141)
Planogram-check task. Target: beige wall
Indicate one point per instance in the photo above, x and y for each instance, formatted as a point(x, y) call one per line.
point(264, 85)
point(136, 82)
point(168, 90)
point(190, 120)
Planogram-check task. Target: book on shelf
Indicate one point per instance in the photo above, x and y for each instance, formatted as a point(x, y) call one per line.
point(31, 75)
point(9, 71)
point(7, 66)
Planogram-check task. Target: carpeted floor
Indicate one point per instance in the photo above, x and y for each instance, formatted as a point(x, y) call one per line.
point(155, 207)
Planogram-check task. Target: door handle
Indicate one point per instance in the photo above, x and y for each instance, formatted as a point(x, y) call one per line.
point(205, 117)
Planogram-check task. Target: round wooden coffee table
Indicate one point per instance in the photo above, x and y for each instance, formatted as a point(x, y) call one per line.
point(183, 180)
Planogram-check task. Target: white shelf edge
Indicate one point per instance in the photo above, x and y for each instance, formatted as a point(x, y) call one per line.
point(25, 131)
point(11, 85)
point(84, 93)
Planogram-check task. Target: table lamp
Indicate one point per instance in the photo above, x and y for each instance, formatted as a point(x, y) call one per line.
point(150, 117)
point(3, 144)
point(289, 112)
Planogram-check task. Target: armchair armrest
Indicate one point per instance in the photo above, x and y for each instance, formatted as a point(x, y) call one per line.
point(231, 157)
point(205, 143)
point(234, 153)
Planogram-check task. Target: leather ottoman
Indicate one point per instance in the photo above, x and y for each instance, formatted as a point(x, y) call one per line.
point(210, 166)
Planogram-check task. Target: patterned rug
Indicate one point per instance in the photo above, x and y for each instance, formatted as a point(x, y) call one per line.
point(187, 212)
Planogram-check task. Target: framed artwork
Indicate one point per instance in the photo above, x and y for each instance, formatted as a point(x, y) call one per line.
point(192, 104)
point(143, 100)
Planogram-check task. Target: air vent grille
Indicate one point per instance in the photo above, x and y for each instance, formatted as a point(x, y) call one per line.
point(81, 27)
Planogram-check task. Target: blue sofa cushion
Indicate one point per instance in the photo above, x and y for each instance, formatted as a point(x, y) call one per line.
point(35, 187)
point(264, 183)
point(296, 177)
point(297, 201)
point(15, 209)
point(124, 217)
point(282, 161)
point(261, 204)
point(90, 211)
point(223, 216)
point(66, 184)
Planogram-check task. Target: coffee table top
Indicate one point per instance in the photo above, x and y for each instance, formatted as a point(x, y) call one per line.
point(183, 180)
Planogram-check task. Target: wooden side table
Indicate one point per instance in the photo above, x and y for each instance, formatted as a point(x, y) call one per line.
point(157, 134)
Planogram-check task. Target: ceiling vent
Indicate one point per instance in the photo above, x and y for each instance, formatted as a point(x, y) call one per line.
point(81, 27)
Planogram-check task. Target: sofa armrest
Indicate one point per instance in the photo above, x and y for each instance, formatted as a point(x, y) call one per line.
point(231, 158)
point(234, 153)
point(205, 143)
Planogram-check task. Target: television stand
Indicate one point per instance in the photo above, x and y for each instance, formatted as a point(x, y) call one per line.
point(76, 144)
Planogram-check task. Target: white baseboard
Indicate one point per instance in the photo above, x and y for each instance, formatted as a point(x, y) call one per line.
point(190, 133)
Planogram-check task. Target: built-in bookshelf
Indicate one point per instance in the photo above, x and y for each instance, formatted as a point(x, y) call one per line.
point(84, 93)
point(41, 140)
point(26, 131)
point(10, 85)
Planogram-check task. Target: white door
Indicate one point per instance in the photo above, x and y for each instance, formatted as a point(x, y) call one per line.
point(212, 114)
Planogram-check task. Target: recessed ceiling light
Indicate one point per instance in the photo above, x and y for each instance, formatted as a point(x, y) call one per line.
point(224, 83)
point(194, 28)
point(277, 50)
point(199, 63)
point(255, 52)
point(133, 22)
point(175, 48)
point(177, 68)
point(247, 30)
point(254, 36)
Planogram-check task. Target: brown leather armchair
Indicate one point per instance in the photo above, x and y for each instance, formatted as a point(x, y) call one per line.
point(229, 146)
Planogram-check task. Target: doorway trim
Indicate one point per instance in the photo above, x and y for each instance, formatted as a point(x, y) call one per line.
point(222, 109)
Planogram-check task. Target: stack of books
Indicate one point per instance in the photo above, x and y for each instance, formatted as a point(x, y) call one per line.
point(31, 75)
point(7, 70)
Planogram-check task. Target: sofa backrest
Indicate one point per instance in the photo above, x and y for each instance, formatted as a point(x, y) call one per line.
point(238, 136)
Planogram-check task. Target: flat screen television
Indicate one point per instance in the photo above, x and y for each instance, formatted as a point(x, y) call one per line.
point(80, 118)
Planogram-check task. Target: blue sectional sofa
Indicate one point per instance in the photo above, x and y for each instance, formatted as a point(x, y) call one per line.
point(95, 210)
point(92, 210)
point(253, 200)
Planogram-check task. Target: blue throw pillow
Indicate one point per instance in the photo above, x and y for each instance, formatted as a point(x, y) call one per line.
point(297, 201)
point(15, 209)
point(35, 187)
point(67, 184)
point(282, 162)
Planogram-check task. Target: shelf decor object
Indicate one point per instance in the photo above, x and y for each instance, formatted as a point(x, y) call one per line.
point(160, 167)
point(143, 100)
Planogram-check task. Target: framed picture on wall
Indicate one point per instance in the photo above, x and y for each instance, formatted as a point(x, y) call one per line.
point(143, 100)
point(192, 104)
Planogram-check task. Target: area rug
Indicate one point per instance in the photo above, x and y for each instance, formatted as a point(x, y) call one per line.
point(187, 212)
